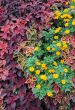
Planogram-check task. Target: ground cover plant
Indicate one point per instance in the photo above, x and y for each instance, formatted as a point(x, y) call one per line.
point(49, 70)
point(19, 22)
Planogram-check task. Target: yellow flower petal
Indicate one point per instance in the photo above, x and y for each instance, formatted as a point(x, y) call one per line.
point(36, 48)
point(48, 48)
point(67, 31)
point(63, 81)
point(37, 71)
point(55, 37)
point(65, 70)
point(55, 76)
point(38, 86)
point(66, 24)
point(62, 61)
point(43, 77)
point(55, 63)
point(73, 22)
point(57, 29)
point(58, 53)
point(58, 44)
point(49, 94)
point(38, 63)
point(31, 69)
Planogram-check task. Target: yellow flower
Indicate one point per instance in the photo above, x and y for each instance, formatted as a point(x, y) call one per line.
point(58, 44)
point(65, 70)
point(57, 14)
point(62, 48)
point(38, 63)
point(51, 71)
point(58, 53)
point(44, 66)
point(55, 76)
point(48, 48)
point(50, 94)
point(66, 16)
point(53, 49)
point(38, 86)
point(73, 0)
point(63, 81)
point(66, 24)
point(62, 61)
point(73, 22)
point(64, 42)
point(65, 10)
point(65, 46)
point(55, 63)
point(72, 7)
point(56, 17)
point(67, 3)
point(57, 29)
point(31, 68)
point(55, 37)
point(37, 71)
point(36, 48)
point(67, 31)
point(43, 77)
point(66, 20)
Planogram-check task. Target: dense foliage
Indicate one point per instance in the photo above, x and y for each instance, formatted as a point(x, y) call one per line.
point(46, 64)
point(18, 19)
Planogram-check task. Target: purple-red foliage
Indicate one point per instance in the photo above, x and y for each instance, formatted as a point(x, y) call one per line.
point(16, 16)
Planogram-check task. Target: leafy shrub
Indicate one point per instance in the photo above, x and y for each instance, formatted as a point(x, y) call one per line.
point(46, 66)
point(13, 94)
point(13, 90)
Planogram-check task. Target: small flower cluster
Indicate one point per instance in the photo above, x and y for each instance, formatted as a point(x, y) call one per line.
point(48, 66)
point(67, 18)
point(46, 63)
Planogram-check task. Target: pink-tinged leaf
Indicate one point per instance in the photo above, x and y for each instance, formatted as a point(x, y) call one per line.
point(12, 99)
point(73, 52)
point(2, 62)
point(5, 29)
point(31, 85)
point(27, 81)
point(56, 88)
point(73, 66)
point(19, 84)
point(73, 79)
point(34, 108)
point(73, 108)
point(1, 101)
point(6, 72)
point(73, 99)
point(2, 77)
point(55, 102)
point(13, 105)
point(72, 40)
point(58, 98)
point(3, 45)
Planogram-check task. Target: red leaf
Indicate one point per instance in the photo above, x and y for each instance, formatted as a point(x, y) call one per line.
point(5, 29)
point(73, 66)
point(12, 99)
point(56, 88)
